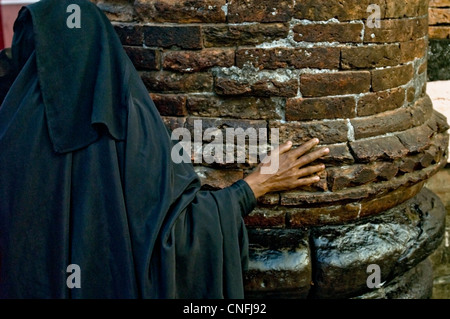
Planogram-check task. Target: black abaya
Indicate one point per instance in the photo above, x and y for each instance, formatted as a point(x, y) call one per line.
point(86, 177)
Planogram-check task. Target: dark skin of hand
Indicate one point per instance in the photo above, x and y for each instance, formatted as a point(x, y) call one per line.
point(293, 171)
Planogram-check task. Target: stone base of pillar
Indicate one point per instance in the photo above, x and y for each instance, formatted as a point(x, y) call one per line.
point(332, 261)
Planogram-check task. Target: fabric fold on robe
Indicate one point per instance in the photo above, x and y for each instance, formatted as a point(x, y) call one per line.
point(87, 179)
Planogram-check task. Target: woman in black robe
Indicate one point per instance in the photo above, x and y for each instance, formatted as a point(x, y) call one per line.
point(86, 176)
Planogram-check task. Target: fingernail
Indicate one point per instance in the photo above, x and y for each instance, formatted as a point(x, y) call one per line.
point(327, 150)
point(316, 140)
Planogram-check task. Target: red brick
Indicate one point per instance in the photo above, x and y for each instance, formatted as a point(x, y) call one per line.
point(370, 57)
point(180, 11)
point(397, 30)
point(387, 122)
point(329, 32)
point(242, 107)
point(383, 79)
point(266, 217)
point(184, 37)
point(328, 132)
point(173, 123)
point(119, 10)
point(373, 103)
point(266, 87)
point(143, 58)
point(323, 10)
point(351, 176)
point(406, 8)
point(439, 3)
point(381, 148)
point(338, 83)
point(416, 139)
point(320, 58)
point(439, 32)
point(130, 34)
point(312, 216)
point(217, 178)
point(339, 155)
point(163, 81)
point(439, 16)
point(303, 109)
point(222, 124)
point(196, 61)
point(413, 50)
point(243, 34)
point(170, 104)
point(260, 10)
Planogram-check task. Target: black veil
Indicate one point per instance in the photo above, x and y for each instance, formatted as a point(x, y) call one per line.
point(86, 177)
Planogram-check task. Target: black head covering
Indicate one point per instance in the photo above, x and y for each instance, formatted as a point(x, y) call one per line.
point(77, 69)
point(87, 177)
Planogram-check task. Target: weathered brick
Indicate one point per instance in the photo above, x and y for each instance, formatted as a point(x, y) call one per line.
point(397, 30)
point(377, 102)
point(243, 107)
point(416, 139)
point(413, 50)
point(339, 155)
point(173, 123)
point(380, 148)
point(439, 16)
point(180, 11)
point(303, 109)
point(439, 32)
point(322, 10)
point(260, 10)
point(266, 87)
point(266, 217)
point(329, 32)
point(170, 104)
point(143, 58)
point(223, 124)
point(130, 34)
point(438, 121)
point(213, 179)
point(391, 121)
point(196, 61)
point(328, 132)
point(368, 57)
point(354, 175)
point(163, 81)
point(122, 11)
point(422, 111)
point(439, 3)
point(320, 58)
point(313, 216)
point(411, 94)
point(338, 83)
point(184, 37)
point(243, 34)
point(383, 79)
point(406, 8)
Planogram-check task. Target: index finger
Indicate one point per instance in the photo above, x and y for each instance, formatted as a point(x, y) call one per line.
point(304, 148)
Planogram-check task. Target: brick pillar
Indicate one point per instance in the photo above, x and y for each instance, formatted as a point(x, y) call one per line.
point(312, 68)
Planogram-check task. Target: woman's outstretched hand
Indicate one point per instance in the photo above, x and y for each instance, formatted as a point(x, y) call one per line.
point(293, 169)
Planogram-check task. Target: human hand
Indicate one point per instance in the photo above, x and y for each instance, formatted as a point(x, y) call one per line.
point(293, 170)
